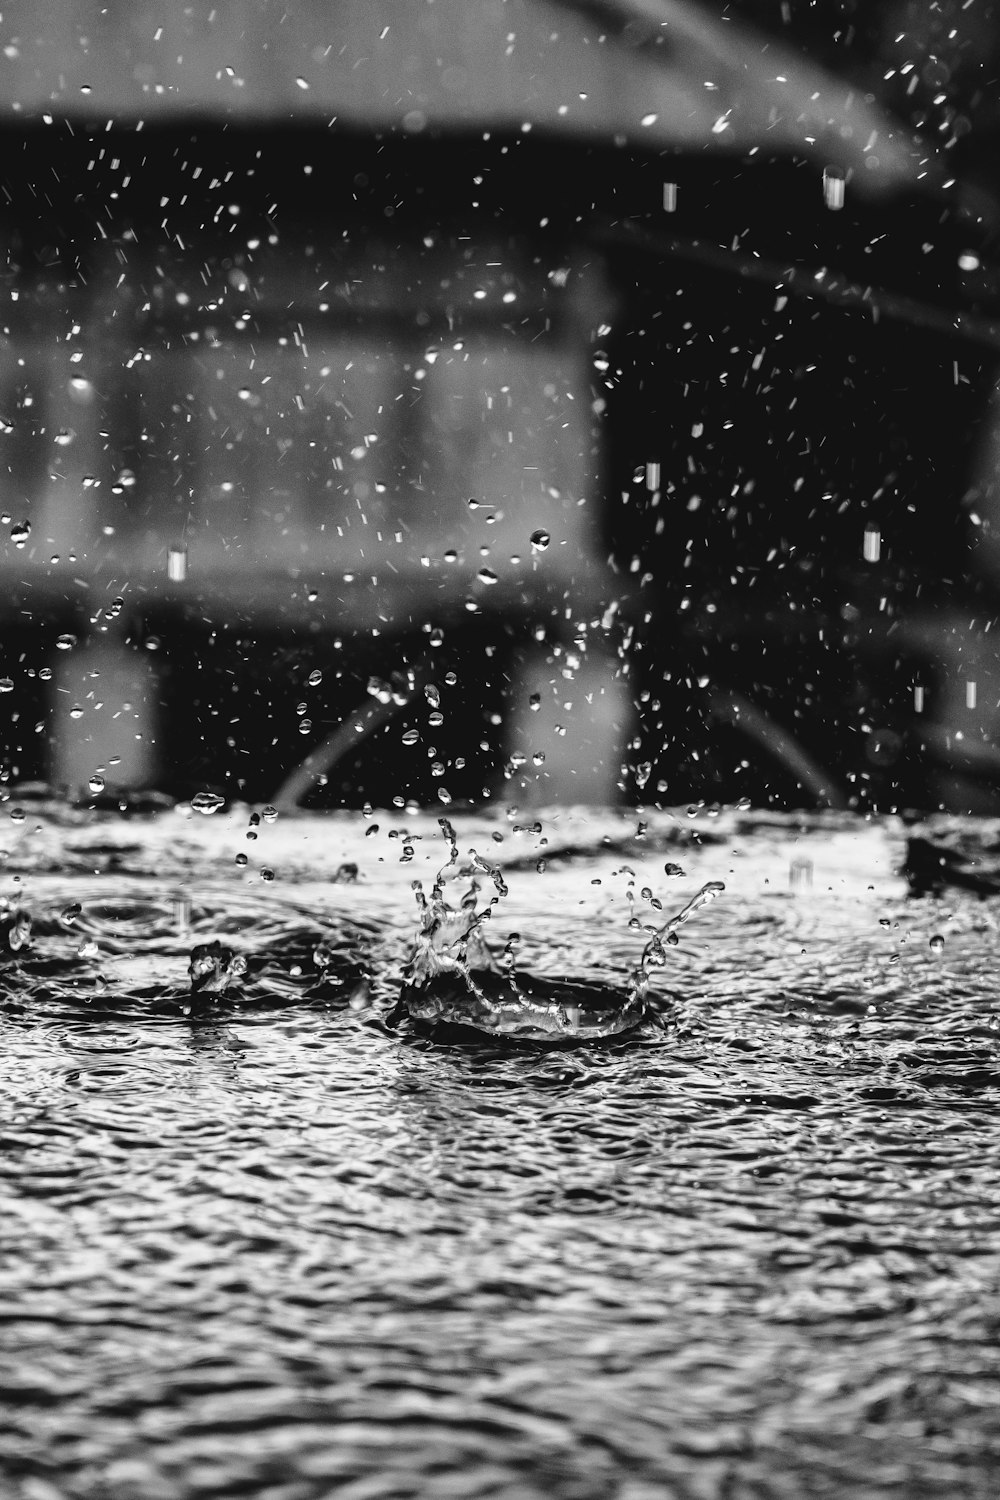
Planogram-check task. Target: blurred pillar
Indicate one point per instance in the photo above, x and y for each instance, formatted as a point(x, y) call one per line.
point(103, 720)
point(569, 714)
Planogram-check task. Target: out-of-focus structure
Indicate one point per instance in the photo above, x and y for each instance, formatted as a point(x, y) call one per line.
point(304, 378)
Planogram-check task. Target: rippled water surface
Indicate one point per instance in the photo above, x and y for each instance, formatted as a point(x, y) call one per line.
point(260, 1243)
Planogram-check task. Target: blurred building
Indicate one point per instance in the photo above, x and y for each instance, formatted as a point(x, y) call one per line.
point(416, 357)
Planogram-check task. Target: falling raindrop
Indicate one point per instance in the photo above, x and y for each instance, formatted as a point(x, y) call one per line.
point(540, 540)
point(936, 943)
point(315, 677)
point(66, 642)
point(6, 684)
point(96, 784)
point(833, 187)
point(872, 545)
point(20, 533)
point(177, 563)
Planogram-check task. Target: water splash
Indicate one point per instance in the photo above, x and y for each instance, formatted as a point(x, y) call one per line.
point(453, 976)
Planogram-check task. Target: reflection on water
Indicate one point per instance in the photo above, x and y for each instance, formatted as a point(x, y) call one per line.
point(257, 1243)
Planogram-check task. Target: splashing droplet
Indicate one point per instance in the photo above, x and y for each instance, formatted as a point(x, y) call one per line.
point(207, 802)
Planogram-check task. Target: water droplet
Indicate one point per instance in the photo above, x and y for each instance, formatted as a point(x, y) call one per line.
point(76, 712)
point(207, 802)
point(534, 702)
point(833, 187)
point(411, 737)
point(673, 870)
point(872, 544)
point(266, 874)
point(177, 559)
point(380, 690)
point(6, 684)
point(18, 815)
point(241, 859)
point(115, 608)
point(936, 943)
point(69, 913)
point(20, 533)
point(315, 677)
point(540, 540)
point(65, 437)
point(486, 575)
point(96, 784)
point(269, 814)
point(305, 726)
point(66, 642)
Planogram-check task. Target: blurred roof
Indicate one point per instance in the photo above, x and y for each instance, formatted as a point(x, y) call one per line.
point(653, 72)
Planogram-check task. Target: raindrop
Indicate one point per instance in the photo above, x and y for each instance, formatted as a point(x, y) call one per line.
point(177, 563)
point(266, 874)
point(6, 684)
point(207, 802)
point(674, 870)
point(540, 540)
point(20, 533)
point(936, 943)
point(69, 913)
point(315, 677)
point(115, 608)
point(65, 437)
point(96, 784)
point(241, 860)
point(872, 545)
point(411, 737)
point(76, 712)
point(486, 575)
point(66, 642)
point(305, 726)
point(833, 187)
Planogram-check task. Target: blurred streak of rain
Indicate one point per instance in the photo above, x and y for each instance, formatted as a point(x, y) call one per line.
point(316, 323)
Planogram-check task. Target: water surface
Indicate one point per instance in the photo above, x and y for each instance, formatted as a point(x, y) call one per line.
point(260, 1243)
